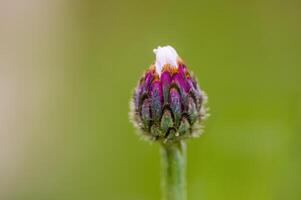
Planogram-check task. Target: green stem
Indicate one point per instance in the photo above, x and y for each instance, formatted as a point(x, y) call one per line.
point(173, 178)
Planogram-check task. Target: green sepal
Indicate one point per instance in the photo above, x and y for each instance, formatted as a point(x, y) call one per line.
point(155, 130)
point(184, 126)
point(166, 121)
point(192, 111)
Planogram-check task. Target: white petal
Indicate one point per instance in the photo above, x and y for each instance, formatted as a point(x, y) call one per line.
point(165, 55)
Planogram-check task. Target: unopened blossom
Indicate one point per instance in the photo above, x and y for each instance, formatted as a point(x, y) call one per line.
point(168, 104)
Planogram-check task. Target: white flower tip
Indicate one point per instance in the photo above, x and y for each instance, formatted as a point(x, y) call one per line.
point(165, 55)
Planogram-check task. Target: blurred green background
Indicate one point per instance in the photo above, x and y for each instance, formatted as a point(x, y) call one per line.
point(67, 71)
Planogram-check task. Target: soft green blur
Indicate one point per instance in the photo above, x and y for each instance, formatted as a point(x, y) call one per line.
point(67, 71)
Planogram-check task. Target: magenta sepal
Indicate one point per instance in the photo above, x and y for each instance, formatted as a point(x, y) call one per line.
point(165, 82)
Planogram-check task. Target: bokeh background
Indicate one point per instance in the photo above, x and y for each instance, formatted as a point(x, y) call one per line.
point(67, 71)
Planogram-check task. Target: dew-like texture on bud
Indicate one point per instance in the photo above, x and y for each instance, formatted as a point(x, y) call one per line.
point(168, 106)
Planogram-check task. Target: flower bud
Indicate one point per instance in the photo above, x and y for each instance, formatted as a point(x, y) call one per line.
point(168, 104)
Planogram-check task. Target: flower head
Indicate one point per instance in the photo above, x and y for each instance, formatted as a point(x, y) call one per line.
point(168, 104)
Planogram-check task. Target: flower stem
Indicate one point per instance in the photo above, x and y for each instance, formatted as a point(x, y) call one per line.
point(173, 180)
